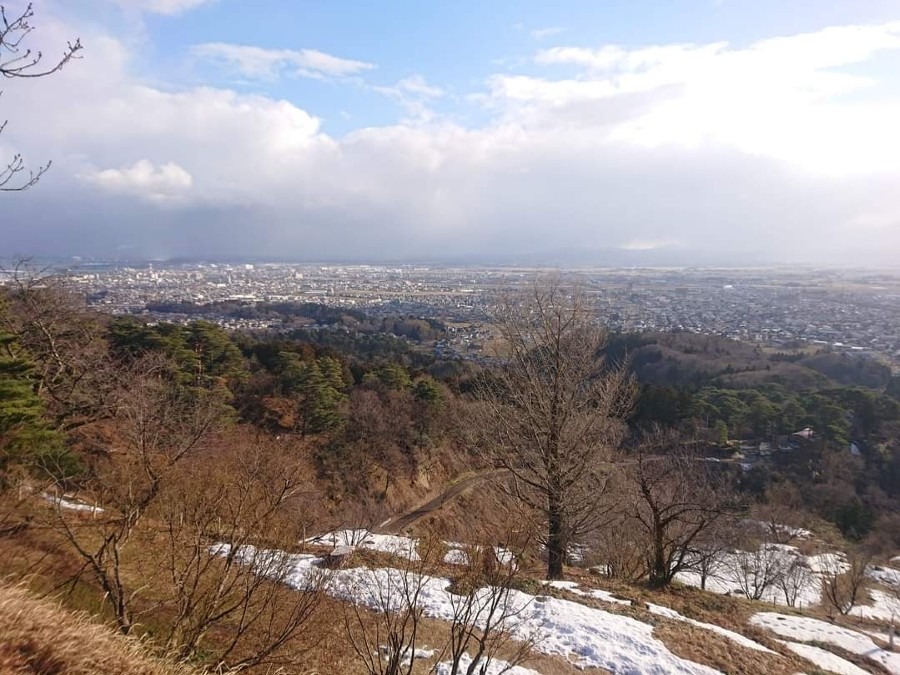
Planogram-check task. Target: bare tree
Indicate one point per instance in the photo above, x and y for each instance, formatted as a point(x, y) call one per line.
point(758, 569)
point(199, 513)
point(796, 577)
point(253, 495)
point(781, 514)
point(484, 610)
point(676, 497)
point(383, 618)
point(63, 338)
point(708, 554)
point(844, 580)
point(617, 549)
point(552, 413)
point(160, 425)
point(18, 61)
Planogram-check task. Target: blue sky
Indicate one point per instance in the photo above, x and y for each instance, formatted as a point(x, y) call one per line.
point(709, 130)
point(455, 46)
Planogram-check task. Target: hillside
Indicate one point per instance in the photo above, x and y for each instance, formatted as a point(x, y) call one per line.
point(688, 359)
point(218, 493)
point(39, 637)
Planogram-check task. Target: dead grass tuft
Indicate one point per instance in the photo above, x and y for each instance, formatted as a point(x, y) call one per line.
point(42, 638)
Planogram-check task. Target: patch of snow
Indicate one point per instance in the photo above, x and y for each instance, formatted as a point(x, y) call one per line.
point(737, 638)
point(719, 583)
point(69, 505)
point(398, 545)
point(456, 556)
point(563, 585)
point(828, 562)
point(594, 593)
point(824, 659)
point(884, 637)
point(884, 607)
point(402, 547)
point(884, 575)
point(726, 579)
point(504, 556)
point(806, 629)
point(606, 596)
point(495, 667)
point(587, 637)
point(417, 654)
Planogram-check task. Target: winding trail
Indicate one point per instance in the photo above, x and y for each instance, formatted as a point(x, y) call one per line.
point(397, 524)
point(400, 523)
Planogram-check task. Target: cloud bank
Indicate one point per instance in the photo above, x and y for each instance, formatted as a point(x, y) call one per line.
point(782, 150)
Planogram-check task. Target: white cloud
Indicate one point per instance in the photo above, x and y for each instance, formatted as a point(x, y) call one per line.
point(787, 98)
point(268, 64)
point(165, 182)
point(414, 94)
point(412, 86)
point(165, 7)
point(701, 149)
point(416, 84)
point(550, 31)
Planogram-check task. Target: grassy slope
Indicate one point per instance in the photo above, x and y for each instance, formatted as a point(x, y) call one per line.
point(41, 637)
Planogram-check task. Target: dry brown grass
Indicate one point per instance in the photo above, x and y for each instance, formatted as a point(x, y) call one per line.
point(37, 553)
point(702, 646)
point(40, 637)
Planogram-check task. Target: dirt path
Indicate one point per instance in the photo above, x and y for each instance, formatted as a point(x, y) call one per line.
point(400, 523)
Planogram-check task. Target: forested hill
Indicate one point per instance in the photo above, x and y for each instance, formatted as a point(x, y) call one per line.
point(297, 315)
point(692, 360)
point(201, 435)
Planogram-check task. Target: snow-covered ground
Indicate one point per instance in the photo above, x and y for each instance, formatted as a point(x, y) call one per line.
point(400, 546)
point(456, 556)
point(595, 593)
point(724, 632)
point(70, 505)
point(587, 637)
point(885, 607)
point(884, 637)
point(740, 569)
point(805, 629)
point(884, 575)
point(824, 659)
point(659, 610)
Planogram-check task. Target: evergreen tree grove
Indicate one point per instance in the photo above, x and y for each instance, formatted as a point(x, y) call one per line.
point(25, 436)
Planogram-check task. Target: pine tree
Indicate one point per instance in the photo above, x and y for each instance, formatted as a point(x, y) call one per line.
point(25, 436)
point(319, 386)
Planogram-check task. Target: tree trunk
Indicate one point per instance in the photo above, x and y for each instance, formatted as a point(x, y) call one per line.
point(556, 544)
point(659, 569)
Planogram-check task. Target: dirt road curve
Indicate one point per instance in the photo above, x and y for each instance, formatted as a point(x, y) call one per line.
point(400, 523)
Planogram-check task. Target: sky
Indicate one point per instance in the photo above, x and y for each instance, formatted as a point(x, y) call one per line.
point(737, 132)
